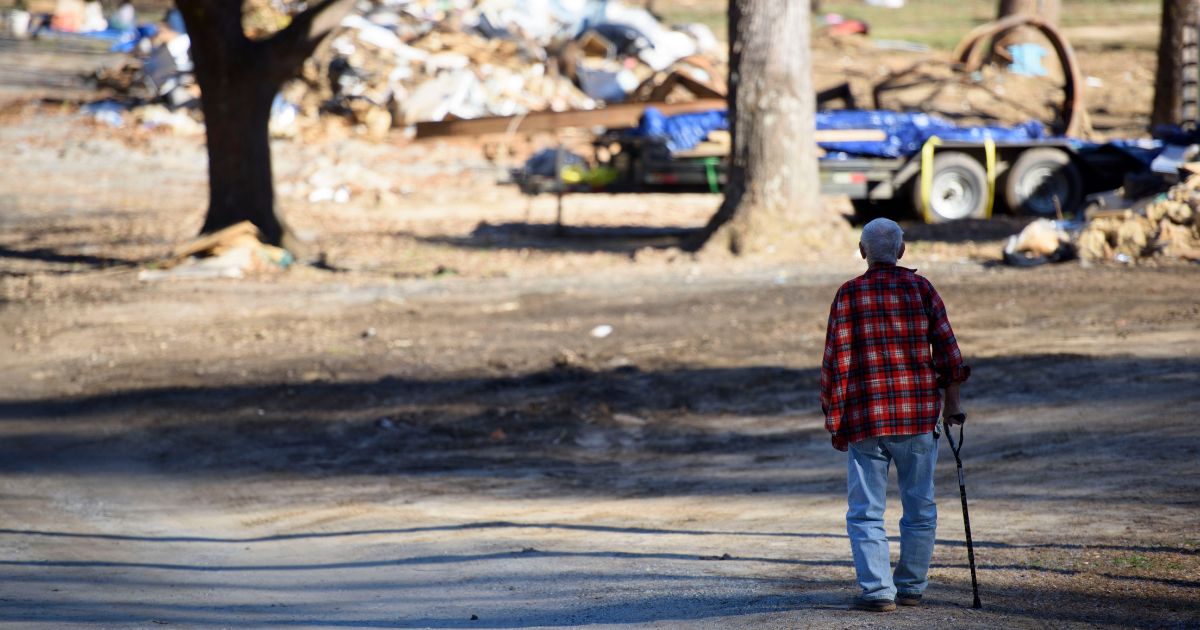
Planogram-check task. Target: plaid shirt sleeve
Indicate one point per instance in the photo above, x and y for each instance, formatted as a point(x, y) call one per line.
point(829, 360)
point(947, 359)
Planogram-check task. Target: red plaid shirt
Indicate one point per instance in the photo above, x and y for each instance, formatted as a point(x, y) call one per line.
point(888, 349)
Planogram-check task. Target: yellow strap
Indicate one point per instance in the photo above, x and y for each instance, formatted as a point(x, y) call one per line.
point(927, 175)
point(989, 153)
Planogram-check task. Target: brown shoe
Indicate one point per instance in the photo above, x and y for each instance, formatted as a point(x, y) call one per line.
point(874, 605)
point(908, 600)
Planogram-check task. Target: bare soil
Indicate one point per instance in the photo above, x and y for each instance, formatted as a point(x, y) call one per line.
point(423, 429)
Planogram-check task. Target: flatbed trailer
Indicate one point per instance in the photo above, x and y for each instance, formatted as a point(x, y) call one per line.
point(945, 181)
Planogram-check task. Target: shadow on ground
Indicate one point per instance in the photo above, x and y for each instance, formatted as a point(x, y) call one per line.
point(964, 231)
point(47, 255)
point(552, 237)
point(683, 588)
point(576, 527)
point(564, 430)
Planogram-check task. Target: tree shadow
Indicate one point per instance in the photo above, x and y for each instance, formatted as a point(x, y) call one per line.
point(682, 588)
point(567, 238)
point(576, 527)
point(47, 255)
point(564, 430)
point(967, 230)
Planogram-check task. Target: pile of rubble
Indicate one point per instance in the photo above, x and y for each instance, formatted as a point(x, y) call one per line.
point(1169, 225)
point(1130, 230)
point(394, 63)
point(399, 62)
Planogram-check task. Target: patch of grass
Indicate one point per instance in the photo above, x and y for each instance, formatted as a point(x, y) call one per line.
point(1110, 12)
point(1133, 561)
point(1051, 564)
point(936, 23)
point(712, 18)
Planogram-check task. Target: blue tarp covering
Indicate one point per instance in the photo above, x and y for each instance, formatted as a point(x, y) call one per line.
point(123, 41)
point(682, 131)
point(1144, 151)
point(906, 132)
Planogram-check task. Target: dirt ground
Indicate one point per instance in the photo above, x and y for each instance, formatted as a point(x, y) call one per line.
point(422, 430)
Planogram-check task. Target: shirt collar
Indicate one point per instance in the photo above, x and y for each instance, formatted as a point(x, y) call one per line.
point(891, 267)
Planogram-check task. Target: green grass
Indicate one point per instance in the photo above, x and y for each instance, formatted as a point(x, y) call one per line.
point(1133, 561)
point(937, 23)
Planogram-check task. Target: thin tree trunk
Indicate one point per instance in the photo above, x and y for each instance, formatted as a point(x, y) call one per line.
point(238, 81)
point(772, 197)
point(1171, 75)
point(1047, 10)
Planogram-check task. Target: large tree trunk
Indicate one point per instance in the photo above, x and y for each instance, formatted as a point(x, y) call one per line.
point(1175, 78)
point(238, 80)
point(772, 197)
point(237, 109)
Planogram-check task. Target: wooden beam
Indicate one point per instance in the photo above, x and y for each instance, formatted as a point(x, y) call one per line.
point(718, 143)
point(620, 115)
point(851, 135)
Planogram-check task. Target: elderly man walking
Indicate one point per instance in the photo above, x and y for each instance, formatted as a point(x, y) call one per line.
point(888, 350)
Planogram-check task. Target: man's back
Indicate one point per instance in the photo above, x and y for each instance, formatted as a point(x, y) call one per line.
point(888, 348)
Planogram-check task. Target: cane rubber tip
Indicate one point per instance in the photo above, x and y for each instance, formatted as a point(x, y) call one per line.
point(977, 604)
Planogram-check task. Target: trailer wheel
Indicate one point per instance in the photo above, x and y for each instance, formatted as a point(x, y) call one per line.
point(1037, 177)
point(958, 189)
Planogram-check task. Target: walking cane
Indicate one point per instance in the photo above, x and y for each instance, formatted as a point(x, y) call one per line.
point(962, 492)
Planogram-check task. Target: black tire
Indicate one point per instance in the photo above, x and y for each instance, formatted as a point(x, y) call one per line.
point(1037, 177)
point(959, 189)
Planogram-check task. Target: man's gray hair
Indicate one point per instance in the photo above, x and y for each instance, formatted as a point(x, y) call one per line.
point(881, 240)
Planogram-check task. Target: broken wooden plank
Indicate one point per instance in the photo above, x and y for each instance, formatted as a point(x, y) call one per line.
point(620, 115)
point(704, 150)
point(235, 234)
point(850, 135)
point(718, 142)
point(700, 88)
point(838, 92)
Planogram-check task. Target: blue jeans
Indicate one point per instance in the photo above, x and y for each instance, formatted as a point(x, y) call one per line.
point(915, 457)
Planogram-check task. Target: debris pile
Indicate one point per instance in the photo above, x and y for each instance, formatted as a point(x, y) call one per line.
point(394, 63)
point(1042, 241)
point(399, 62)
point(1167, 226)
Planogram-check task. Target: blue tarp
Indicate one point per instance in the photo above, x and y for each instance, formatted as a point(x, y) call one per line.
point(906, 132)
point(123, 41)
point(1144, 151)
point(682, 131)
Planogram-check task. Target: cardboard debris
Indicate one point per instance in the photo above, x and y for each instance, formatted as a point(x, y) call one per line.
point(1040, 238)
point(401, 62)
point(231, 252)
point(1166, 226)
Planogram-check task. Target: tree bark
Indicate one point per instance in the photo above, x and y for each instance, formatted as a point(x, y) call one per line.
point(238, 80)
point(1174, 72)
point(1047, 10)
point(772, 196)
